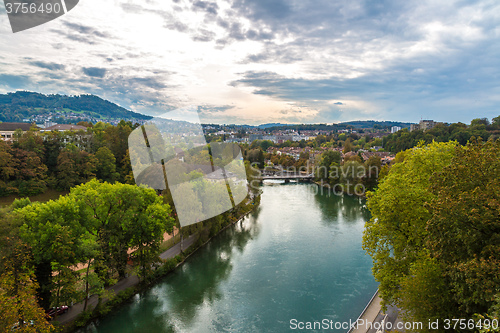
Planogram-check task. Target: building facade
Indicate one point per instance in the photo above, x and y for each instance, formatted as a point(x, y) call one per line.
point(7, 129)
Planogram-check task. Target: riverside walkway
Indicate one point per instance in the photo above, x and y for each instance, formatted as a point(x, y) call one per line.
point(123, 284)
point(372, 319)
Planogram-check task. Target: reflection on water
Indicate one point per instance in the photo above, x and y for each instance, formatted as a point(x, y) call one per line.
point(298, 256)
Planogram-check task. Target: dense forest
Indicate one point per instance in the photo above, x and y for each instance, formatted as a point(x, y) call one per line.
point(14, 107)
point(61, 160)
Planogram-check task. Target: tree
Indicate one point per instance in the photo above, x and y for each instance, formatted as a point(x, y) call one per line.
point(373, 167)
point(106, 165)
point(116, 139)
point(7, 169)
point(18, 305)
point(496, 122)
point(151, 219)
point(54, 232)
point(352, 173)
point(18, 302)
point(396, 234)
point(29, 172)
point(256, 156)
point(347, 146)
point(115, 213)
point(464, 231)
point(328, 166)
point(480, 121)
point(53, 143)
point(74, 167)
point(264, 144)
point(31, 141)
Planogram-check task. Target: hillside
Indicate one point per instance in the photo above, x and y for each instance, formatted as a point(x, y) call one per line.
point(24, 105)
point(375, 124)
point(358, 124)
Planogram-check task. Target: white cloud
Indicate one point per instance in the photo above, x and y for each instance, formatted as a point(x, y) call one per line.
point(386, 60)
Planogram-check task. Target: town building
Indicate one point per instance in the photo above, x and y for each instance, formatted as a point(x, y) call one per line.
point(394, 129)
point(64, 127)
point(423, 125)
point(8, 129)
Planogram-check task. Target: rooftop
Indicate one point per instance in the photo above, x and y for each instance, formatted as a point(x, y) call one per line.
point(65, 127)
point(14, 126)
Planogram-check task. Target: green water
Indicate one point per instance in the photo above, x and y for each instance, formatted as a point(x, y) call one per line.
point(298, 256)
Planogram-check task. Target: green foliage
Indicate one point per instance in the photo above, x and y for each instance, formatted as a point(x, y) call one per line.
point(464, 231)
point(395, 235)
point(122, 216)
point(459, 132)
point(256, 156)
point(14, 107)
point(74, 167)
point(434, 235)
point(106, 165)
point(20, 203)
point(373, 167)
point(83, 318)
point(18, 304)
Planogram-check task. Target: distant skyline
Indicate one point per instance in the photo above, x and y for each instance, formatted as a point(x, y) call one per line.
point(268, 61)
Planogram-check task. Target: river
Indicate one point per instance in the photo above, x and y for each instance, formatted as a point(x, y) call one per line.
point(297, 256)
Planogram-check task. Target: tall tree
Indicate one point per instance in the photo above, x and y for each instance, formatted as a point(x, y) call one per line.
point(396, 234)
point(30, 173)
point(373, 166)
point(54, 232)
point(18, 303)
point(106, 165)
point(115, 213)
point(464, 231)
point(74, 167)
point(7, 169)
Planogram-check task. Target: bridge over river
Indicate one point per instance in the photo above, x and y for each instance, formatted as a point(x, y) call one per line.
point(287, 177)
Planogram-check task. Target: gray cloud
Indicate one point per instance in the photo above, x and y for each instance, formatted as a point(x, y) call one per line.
point(81, 33)
point(47, 65)
point(209, 7)
point(150, 82)
point(14, 81)
point(94, 71)
point(204, 36)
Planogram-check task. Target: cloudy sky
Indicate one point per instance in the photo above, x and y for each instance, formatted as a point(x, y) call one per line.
point(259, 61)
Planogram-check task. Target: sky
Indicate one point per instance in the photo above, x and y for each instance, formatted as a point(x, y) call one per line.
point(262, 61)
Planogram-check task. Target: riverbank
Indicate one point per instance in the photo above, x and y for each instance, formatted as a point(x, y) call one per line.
point(373, 320)
point(369, 314)
point(122, 291)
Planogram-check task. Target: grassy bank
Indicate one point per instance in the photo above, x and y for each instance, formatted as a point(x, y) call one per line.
point(50, 194)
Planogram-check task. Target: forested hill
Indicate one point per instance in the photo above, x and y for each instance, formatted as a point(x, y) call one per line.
point(375, 124)
point(358, 124)
point(14, 107)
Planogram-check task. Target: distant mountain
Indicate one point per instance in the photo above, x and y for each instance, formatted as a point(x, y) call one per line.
point(358, 124)
point(264, 126)
point(374, 124)
point(24, 105)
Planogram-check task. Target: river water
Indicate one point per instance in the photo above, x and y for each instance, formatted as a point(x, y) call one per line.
point(298, 256)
